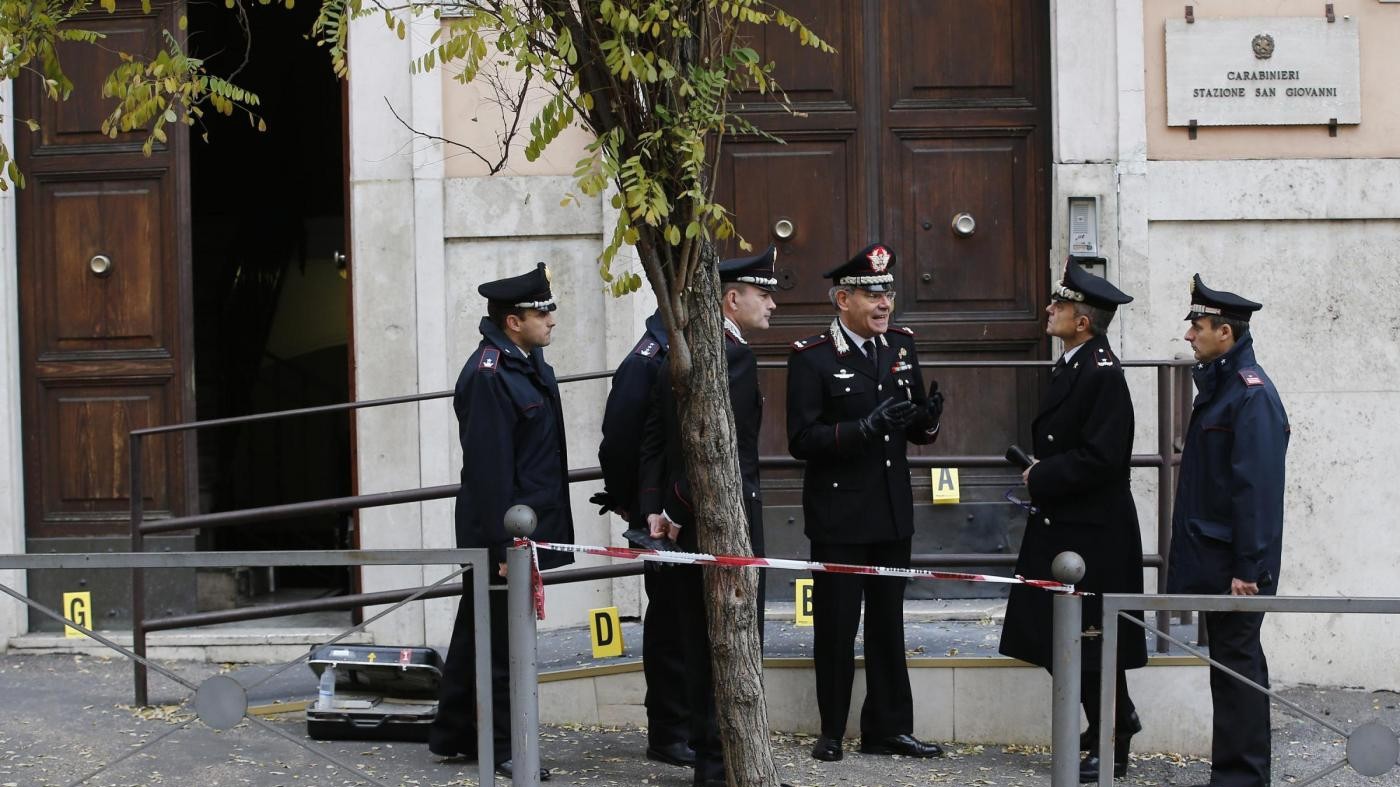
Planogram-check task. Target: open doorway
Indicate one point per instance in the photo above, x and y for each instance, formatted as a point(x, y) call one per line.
point(270, 296)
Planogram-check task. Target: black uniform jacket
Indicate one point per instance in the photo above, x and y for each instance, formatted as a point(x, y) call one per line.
point(626, 413)
point(854, 490)
point(511, 427)
point(1228, 518)
point(663, 481)
point(1083, 437)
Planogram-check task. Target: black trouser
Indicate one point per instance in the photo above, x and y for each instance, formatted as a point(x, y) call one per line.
point(454, 730)
point(1240, 743)
point(1089, 693)
point(836, 612)
point(663, 659)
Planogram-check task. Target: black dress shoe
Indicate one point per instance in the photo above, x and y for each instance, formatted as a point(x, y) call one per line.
point(827, 749)
point(506, 768)
point(678, 753)
point(1122, 740)
point(907, 745)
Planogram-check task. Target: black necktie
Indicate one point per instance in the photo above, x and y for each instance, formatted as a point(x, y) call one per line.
point(869, 348)
point(1059, 367)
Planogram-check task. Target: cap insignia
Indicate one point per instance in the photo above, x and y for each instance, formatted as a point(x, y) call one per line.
point(879, 259)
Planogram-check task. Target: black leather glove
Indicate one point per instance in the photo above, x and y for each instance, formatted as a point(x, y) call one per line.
point(604, 501)
point(935, 404)
point(888, 416)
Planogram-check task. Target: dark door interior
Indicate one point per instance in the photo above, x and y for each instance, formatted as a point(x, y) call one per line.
point(270, 293)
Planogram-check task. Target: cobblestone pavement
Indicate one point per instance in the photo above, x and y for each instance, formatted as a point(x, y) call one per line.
point(66, 717)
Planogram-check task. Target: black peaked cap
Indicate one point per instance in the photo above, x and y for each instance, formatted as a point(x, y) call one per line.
point(1206, 301)
point(1081, 286)
point(872, 268)
point(756, 270)
point(526, 291)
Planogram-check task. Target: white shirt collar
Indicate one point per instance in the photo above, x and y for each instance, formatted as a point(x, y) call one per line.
point(1070, 353)
point(856, 341)
point(733, 327)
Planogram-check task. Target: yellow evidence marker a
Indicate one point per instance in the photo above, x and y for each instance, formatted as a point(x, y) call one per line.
point(605, 632)
point(945, 485)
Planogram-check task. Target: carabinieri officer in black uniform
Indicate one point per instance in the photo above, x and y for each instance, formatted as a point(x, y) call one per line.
point(746, 303)
point(855, 400)
point(619, 456)
point(511, 428)
point(1082, 501)
point(1227, 524)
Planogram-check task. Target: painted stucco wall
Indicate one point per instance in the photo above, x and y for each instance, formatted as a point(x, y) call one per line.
point(428, 228)
point(1308, 227)
point(1379, 27)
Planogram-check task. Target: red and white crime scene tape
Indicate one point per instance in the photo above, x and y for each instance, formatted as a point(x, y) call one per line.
point(738, 561)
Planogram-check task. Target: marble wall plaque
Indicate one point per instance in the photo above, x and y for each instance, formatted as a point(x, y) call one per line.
point(1263, 71)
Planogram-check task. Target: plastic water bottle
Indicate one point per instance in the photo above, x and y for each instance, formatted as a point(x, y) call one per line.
point(325, 692)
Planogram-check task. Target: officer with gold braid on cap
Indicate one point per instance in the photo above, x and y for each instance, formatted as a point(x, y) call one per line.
point(855, 401)
point(511, 427)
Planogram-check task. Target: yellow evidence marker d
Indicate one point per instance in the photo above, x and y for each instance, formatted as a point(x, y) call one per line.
point(605, 632)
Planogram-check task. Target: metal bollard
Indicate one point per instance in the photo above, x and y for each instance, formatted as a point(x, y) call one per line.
point(524, 691)
point(1068, 567)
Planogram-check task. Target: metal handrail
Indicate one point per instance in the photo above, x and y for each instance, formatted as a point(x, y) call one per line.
point(1164, 460)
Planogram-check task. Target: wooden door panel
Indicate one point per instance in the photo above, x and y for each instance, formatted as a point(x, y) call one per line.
point(950, 274)
point(960, 51)
point(121, 220)
point(102, 355)
point(85, 440)
point(78, 121)
point(808, 182)
point(986, 409)
point(808, 75)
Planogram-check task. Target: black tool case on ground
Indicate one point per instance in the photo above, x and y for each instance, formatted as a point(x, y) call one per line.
point(382, 693)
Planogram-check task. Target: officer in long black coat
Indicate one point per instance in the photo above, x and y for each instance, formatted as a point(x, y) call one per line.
point(511, 426)
point(1081, 501)
point(855, 400)
point(619, 456)
point(665, 495)
point(1227, 522)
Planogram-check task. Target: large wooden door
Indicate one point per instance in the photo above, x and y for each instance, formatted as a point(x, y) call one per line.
point(931, 109)
point(103, 274)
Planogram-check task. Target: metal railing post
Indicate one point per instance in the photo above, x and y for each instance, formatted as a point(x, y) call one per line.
point(138, 576)
point(1108, 696)
point(1166, 490)
point(1068, 567)
point(524, 690)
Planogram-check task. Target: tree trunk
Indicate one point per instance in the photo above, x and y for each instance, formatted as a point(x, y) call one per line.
point(712, 462)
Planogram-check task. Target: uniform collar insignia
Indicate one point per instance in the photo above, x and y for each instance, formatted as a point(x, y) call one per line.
point(838, 337)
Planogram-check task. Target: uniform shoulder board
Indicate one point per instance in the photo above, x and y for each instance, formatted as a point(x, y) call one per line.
point(647, 348)
point(490, 359)
point(1251, 377)
point(811, 341)
point(1103, 357)
point(904, 329)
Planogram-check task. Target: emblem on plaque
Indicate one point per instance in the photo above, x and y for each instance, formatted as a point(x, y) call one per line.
point(1263, 46)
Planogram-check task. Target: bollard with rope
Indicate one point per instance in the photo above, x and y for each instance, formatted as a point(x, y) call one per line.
point(522, 597)
point(1068, 568)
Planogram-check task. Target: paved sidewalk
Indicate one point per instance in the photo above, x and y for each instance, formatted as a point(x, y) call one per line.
point(66, 716)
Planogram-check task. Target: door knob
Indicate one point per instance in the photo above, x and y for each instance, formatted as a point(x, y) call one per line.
point(964, 225)
point(100, 265)
point(784, 229)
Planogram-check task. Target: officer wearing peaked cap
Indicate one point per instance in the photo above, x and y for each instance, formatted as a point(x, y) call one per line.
point(1080, 500)
point(619, 457)
point(511, 426)
point(855, 401)
point(1227, 522)
point(746, 302)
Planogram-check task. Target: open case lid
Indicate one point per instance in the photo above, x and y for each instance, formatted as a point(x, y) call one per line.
point(391, 671)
